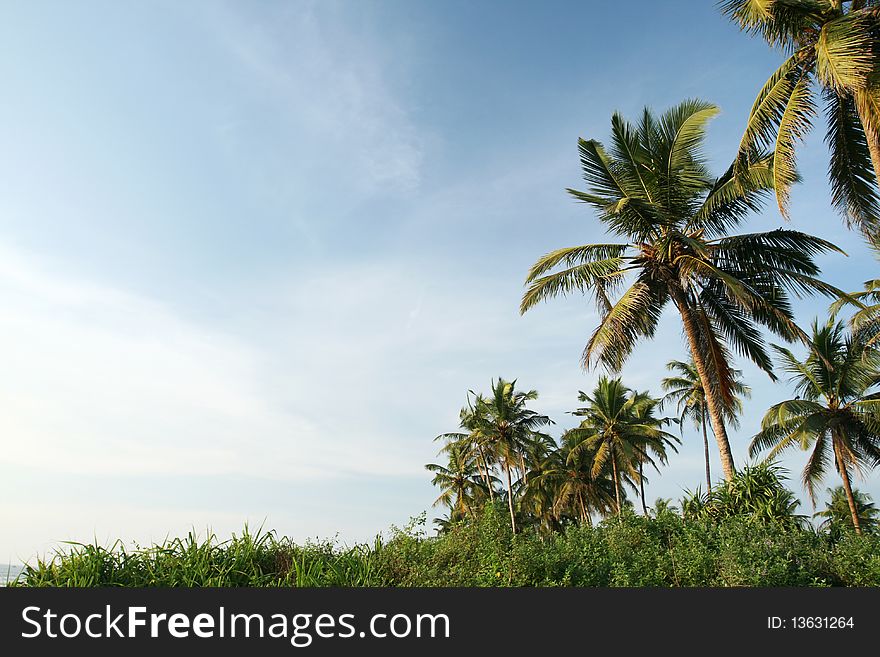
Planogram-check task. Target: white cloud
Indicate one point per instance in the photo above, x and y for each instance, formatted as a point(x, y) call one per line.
point(97, 380)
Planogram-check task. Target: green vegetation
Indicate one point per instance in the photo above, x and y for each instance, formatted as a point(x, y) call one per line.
point(835, 46)
point(663, 550)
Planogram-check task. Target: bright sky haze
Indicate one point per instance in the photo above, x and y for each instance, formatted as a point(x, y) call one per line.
point(254, 254)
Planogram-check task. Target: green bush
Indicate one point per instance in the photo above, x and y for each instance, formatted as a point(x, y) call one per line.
point(665, 551)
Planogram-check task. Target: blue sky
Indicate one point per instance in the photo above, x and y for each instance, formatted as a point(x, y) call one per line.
point(252, 255)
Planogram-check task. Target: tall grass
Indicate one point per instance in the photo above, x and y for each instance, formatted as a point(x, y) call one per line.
point(259, 559)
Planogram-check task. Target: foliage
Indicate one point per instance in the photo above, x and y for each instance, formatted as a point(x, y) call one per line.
point(757, 492)
point(251, 559)
point(835, 46)
point(836, 516)
point(667, 550)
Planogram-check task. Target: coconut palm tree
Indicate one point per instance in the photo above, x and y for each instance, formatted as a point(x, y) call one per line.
point(836, 514)
point(866, 318)
point(472, 442)
point(459, 482)
point(685, 389)
point(615, 436)
point(563, 485)
point(835, 413)
point(831, 46)
point(507, 428)
point(655, 441)
point(654, 191)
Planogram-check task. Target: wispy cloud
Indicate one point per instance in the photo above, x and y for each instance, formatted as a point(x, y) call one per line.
point(105, 381)
point(331, 79)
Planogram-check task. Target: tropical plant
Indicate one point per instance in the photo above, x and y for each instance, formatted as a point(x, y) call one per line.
point(507, 429)
point(472, 442)
point(459, 482)
point(620, 434)
point(564, 487)
point(836, 516)
point(685, 390)
point(835, 413)
point(655, 441)
point(758, 492)
point(866, 318)
point(835, 45)
point(654, 190)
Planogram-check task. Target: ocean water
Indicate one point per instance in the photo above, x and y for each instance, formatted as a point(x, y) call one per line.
point(8, 572)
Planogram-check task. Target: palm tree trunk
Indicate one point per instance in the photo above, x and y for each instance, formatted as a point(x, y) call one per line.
point(706, 451)
point(841, 467)
point(872, 133)
point(585, 518)
point(522, 463)
point(488, 480)
point(616, 482)
point(712, 401)
point(642, 486)
point(510, 496)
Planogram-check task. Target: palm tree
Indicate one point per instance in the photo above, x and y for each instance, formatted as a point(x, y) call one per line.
point(685, 389)
point(654, 190)
point(835, 413)
point(472, 441)
point(564, 484)
point(867, 316)
point(836, 44)
point(836, 514)
point(507, 429)
point(654, 442)
point(458, 482)
point(615, 435)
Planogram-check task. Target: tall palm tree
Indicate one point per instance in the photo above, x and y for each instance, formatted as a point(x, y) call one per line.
point(685, 389)
point(835, 413)
point(836, 513)
point(833, 45)
point(507, 428)
point(615, 436)
point(655, 192)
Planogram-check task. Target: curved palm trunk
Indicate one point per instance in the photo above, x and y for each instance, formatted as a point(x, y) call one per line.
point(872, 134)
point(706, 451)
point(841, 468)
point(642, 487)
point(712, 401)
point(510, 496)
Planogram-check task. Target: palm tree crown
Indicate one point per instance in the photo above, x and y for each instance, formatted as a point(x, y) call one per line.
point(653, 190)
